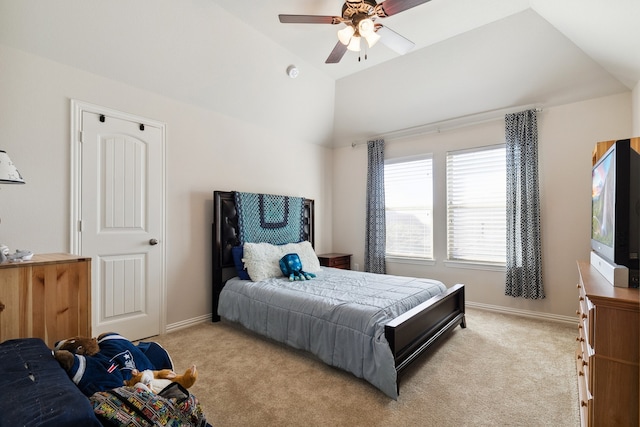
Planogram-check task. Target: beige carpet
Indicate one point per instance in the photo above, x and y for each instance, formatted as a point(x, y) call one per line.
point(500, 371)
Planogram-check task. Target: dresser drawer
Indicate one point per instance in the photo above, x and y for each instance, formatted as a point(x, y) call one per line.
point(48, 297)
point(585, 398)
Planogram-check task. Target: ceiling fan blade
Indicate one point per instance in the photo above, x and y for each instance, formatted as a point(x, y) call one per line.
point(394, 41)
point(309, 19)
point(336, 54)
point(392, 7)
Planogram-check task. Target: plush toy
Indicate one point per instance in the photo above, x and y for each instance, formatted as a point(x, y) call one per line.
point(156, 381)
point(291, 266)
point(79, 345)
point(90, 374)
point(98, 364)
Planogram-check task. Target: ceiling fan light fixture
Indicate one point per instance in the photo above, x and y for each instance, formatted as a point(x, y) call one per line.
point(365, 27)
point(354, 44)
point(372, 39)
point(360, 17)
point(345, 34)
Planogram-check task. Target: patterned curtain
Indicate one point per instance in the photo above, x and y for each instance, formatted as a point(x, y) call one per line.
point(375, 244)
point(524, 251)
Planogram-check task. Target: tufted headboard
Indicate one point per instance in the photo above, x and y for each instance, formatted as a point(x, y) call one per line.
point(225, 236)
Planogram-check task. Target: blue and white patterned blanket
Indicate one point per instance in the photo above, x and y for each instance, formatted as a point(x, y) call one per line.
point(270, 218)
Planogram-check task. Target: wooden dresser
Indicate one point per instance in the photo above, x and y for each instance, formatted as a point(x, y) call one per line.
point(608, 351)
point(48, 297)
point(336, 260)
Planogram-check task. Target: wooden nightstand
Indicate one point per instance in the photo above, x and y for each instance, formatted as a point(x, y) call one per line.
point(336, 260)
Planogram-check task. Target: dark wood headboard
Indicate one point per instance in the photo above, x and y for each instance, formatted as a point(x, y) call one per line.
point(225, 234)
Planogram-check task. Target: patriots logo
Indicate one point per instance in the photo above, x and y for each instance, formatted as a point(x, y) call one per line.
point(124, 361)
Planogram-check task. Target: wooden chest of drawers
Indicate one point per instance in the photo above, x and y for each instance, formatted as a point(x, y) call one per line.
point(336, 260)
point(48, 297)
point(608, 351)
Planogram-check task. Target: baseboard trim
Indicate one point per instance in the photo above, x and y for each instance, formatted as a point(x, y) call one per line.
point(570, 320)
point(189, 322)
point(487, 307)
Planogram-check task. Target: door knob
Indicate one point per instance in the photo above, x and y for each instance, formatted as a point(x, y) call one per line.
point(153, 242)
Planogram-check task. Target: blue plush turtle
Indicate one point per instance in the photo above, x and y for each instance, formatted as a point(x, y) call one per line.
point(291, 266)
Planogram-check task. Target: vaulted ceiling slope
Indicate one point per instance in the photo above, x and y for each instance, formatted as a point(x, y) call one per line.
point(515, 62)
point(471, 56)
point(607, 31)
point(230, 56)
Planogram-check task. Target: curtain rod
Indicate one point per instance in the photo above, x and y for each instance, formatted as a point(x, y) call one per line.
point(451, 124)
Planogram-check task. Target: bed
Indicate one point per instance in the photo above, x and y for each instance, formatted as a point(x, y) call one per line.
point(371, 325)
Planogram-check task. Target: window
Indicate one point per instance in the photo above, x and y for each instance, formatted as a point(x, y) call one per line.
point(408, 187)
point(476, 205)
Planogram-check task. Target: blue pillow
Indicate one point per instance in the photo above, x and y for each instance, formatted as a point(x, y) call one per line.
point(238, 253)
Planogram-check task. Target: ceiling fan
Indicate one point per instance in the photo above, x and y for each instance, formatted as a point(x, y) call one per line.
point(359, 17)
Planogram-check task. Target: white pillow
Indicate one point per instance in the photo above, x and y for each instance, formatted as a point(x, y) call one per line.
point(262, 260)
point(308, 257)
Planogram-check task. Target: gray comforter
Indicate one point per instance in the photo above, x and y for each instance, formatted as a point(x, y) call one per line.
point(339, 316)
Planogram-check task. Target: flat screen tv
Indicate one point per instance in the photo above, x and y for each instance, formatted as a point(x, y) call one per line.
point(615, 207)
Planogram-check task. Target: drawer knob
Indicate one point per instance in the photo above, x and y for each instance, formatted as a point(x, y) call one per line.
point(583, 403)
point(580, 339)
point(2, 306)
point(578, 312)
point(581, 374)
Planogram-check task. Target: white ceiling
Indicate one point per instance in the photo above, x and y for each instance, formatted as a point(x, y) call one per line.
point(471, 56)
point(424, 25)
point(608, 31)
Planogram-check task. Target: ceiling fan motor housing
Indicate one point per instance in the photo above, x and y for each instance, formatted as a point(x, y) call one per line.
point(353, 12)
point(364, 8)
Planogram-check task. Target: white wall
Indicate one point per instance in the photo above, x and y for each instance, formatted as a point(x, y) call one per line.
point(248, 128)
point(567, 135)
point(206, 151)
point(194, 52)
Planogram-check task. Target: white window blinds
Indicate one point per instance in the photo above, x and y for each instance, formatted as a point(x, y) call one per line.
point(409, 208)
point(476, 205)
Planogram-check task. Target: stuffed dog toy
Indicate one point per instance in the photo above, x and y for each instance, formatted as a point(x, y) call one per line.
point(106, 362)
point(90, 374)
point(156, 381)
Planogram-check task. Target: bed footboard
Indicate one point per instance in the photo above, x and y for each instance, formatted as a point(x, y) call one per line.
point(412, 333)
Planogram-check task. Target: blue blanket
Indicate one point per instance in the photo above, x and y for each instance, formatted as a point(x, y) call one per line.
point(36, 391)
point(269, 218)
point(339, 316)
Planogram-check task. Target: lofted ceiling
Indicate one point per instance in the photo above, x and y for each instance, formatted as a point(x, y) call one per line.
point(471, 56)
point(607, 31)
